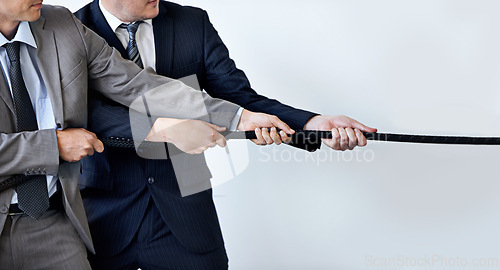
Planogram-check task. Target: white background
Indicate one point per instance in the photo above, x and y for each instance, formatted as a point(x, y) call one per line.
point(425, 67)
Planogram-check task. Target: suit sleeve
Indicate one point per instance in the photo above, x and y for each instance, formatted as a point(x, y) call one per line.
point(124, 82)
point(224, 80)
point(33, 152)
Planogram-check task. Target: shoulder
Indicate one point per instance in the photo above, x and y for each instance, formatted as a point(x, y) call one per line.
point(55, 12)
point(84, 12)
point(56, 18)
point(179, 11)
point(67, 29)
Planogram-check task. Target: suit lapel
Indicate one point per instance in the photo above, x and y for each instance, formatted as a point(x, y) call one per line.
point(163, 28)
point(103, 29)
point(5, 93)
point(48, 63)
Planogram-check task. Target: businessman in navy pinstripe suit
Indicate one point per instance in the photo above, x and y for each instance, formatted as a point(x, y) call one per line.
point(136, 213)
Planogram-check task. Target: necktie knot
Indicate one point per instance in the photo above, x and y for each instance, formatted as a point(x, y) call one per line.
point(131, 28)
point(12, 51)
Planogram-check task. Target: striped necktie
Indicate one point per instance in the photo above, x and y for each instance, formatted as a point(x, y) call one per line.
point(32, 195)
point(132, 50)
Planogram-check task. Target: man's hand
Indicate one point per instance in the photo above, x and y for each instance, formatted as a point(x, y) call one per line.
point(346, 131)
point(260, 122)
point(190, 136)
point(76, 143)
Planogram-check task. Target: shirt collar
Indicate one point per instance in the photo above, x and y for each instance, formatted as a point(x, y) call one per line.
point(23, 35)
point(114, 22)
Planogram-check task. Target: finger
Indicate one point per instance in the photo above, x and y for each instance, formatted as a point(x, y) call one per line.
point(90, 151)
point(198, 151)
point(260, 139)
point(220, 140)
point(281, 125)
point(358, 125)
point(334, 143)
point(284, 137)
point(344, 140)
point(361, 138)
point(255, 141)
point(212, 145)
point(275, 136)
point(98, 146)
point(353, 140)
point(267, 136)
point(194, 151)
point(82, 156)
point(216, 127)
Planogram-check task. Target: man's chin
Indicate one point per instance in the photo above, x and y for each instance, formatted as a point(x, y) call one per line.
point(150, 15)
point(35, 15)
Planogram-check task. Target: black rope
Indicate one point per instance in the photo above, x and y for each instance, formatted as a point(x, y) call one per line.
point(118, 142)
point(303, 136)
point(310, 136)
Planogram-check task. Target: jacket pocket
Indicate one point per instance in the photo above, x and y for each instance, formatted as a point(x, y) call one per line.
point(73, 74)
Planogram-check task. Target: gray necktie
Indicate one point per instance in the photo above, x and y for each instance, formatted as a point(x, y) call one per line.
point(32, 195)
point(132, 50)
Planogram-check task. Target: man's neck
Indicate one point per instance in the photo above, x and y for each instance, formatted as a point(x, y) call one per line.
point(113, 10)
point(9, 29)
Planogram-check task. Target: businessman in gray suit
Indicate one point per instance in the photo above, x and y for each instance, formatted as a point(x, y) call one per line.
point(48, 59)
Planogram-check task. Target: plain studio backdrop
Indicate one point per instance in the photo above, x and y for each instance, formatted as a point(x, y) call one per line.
point(423, 67)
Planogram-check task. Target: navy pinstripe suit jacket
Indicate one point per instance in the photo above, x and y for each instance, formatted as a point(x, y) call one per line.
point(115, 184)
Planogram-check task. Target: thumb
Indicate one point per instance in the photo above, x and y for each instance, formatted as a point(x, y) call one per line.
point(362, 127)
point(98, 146)
point(281, 125)
point(220, 140)
point(216, 127)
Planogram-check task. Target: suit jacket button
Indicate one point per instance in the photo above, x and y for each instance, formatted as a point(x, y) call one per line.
point(151, 180)
point(4, 209)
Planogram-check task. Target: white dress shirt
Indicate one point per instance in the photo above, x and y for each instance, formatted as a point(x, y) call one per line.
point(34, 84)
point(144, 37)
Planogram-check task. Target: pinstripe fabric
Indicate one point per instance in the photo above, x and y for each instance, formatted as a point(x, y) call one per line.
point(155, 247)
point(115, 185)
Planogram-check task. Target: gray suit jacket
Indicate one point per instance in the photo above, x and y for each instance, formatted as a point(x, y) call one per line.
point(72, 59)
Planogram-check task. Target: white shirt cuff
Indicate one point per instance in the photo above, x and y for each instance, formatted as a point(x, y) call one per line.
point(236, 120)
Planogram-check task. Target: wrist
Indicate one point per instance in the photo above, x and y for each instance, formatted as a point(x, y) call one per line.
point(162, 130)
point(243, 119)
point(312, 124)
